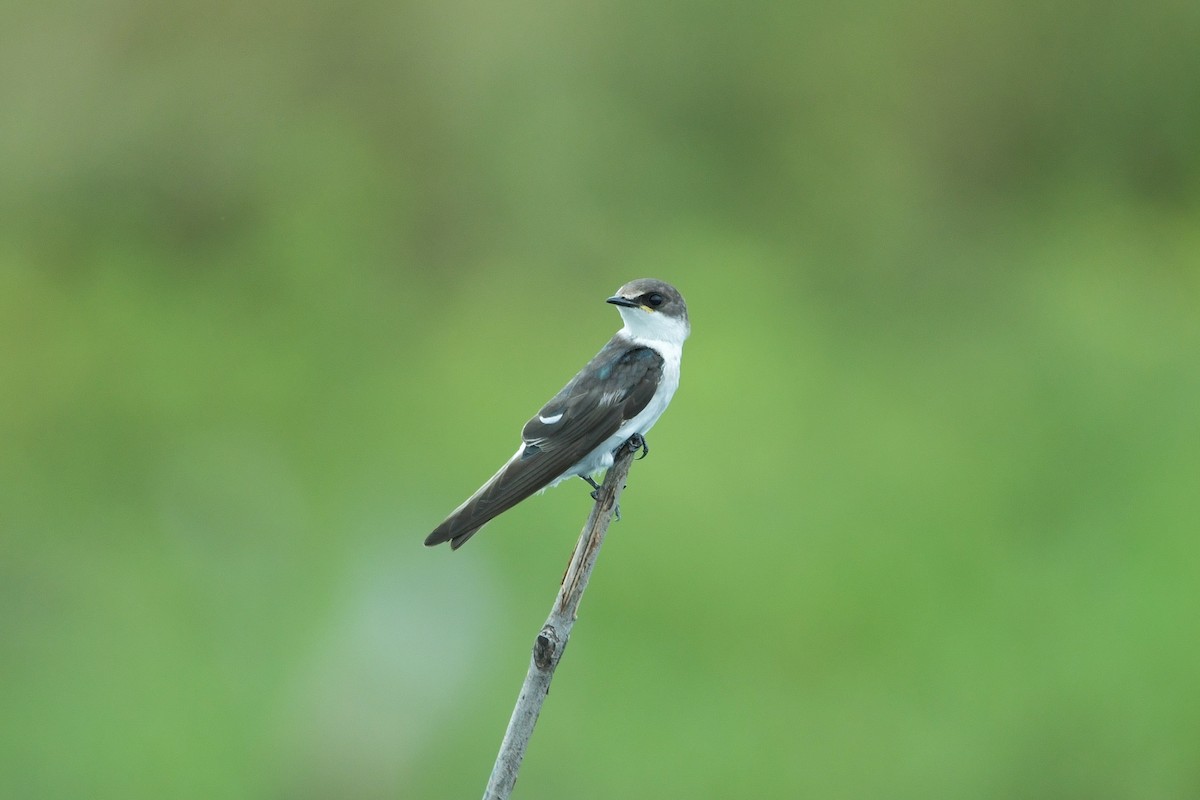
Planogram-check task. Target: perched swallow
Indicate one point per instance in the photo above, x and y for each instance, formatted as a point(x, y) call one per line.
point(622, 391)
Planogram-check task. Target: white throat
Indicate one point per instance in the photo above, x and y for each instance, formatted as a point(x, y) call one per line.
point(655, 329)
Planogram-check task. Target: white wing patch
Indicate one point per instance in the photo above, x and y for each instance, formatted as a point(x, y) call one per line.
point(550, 420)
point(611, 398)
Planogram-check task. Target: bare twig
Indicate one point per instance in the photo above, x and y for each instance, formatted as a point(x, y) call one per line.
point(552, 640)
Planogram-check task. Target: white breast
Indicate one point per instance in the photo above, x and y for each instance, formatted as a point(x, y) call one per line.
point(602, 457)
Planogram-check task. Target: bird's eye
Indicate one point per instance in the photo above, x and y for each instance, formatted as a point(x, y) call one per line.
point(654, 299)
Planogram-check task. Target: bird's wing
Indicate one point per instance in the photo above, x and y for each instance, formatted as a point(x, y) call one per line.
point(614, 387)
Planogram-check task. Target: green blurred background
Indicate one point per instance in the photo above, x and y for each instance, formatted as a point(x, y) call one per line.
point(921, 522)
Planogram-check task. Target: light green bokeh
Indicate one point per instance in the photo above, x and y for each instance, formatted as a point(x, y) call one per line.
point(921, 522)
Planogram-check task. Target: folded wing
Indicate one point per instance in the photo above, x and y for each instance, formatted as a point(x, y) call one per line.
point(613, 388)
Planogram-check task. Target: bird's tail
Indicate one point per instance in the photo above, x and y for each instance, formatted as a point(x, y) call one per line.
point(495, 497)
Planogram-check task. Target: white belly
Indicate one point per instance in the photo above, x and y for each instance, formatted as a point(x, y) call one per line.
point(601, 458)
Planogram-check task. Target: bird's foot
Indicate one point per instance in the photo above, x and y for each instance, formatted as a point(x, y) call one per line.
point(596, 494)
point(595, 486)
point(638, 442)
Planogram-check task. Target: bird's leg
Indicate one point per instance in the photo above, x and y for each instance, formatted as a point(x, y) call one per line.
point(638, 442)
point(596, 494)
point(595, 486)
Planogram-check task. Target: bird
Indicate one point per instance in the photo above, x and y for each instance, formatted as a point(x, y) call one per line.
point(620, 393)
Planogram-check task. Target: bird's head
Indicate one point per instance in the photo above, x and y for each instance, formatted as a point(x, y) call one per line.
point(653, 310)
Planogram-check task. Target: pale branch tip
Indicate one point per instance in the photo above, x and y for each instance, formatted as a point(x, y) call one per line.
point(551, 641)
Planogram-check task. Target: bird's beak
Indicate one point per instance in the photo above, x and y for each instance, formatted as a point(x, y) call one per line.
point(617, 300)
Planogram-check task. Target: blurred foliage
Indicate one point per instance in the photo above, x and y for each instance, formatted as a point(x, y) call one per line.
point(921, 522)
